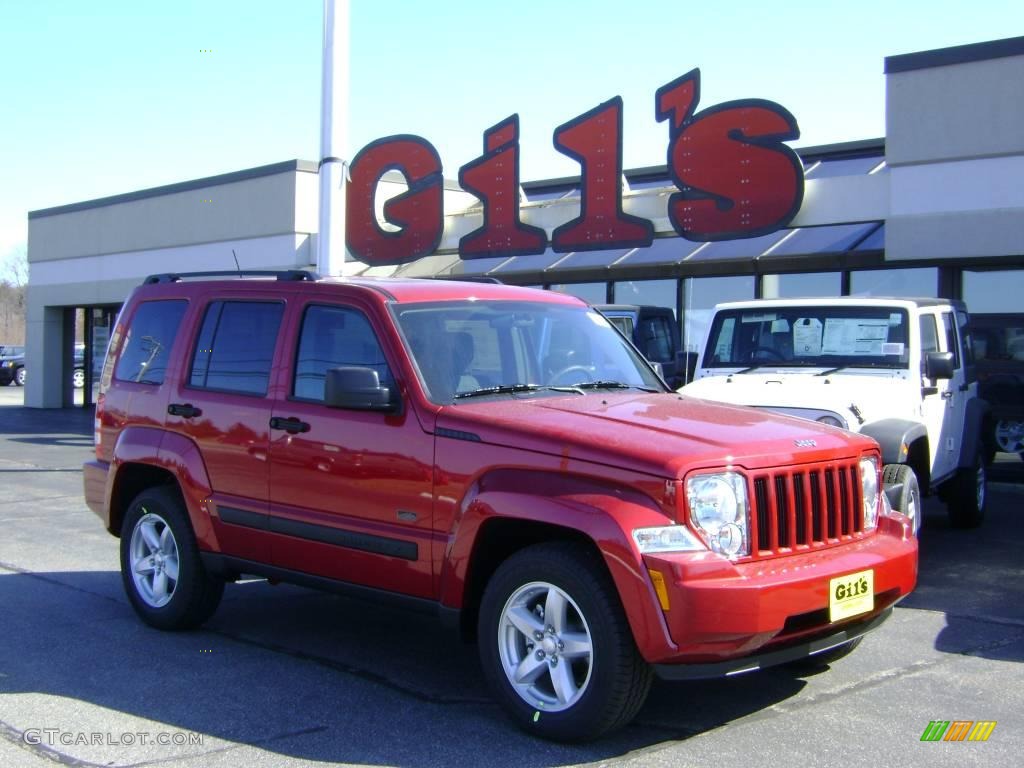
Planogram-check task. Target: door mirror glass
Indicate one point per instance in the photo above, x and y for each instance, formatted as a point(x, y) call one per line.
point(356, 388)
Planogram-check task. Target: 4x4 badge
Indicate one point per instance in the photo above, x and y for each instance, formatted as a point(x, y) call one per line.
point(804, 443)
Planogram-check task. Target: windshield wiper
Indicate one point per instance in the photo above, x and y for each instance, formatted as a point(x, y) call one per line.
point(509, 389)
point(854, 365)
point(609, 384)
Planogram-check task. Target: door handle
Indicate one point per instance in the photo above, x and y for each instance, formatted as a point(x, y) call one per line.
point(187, 410)
point(291, 426)
point(948, 394)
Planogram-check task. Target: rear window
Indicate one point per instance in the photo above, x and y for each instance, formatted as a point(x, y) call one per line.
point(148, 341)
point(235, 347)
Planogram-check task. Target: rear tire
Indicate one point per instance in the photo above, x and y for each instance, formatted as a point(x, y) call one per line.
point(967, 495)
point(555, 645)
point(909, 501)
point(162, 572)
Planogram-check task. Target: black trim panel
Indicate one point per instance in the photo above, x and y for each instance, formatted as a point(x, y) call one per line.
point(958, 54)
point(771, 658)
point(225, 565)
point(364, 542)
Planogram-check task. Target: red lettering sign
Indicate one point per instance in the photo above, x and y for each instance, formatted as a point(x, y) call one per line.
point(417, 213)
point(737, 178)
point(594, 139)
point(494, 178)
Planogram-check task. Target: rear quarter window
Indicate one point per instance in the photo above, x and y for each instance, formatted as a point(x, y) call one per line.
point(148, 340)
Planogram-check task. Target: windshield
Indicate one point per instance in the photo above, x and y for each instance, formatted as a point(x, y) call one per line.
point(505, 348)
point(813, 336)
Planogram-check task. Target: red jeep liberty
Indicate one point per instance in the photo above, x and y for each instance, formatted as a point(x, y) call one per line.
point(500, 455)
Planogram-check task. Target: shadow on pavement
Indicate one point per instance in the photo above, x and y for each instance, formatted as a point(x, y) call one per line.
point(365, 677)
point(975, 577)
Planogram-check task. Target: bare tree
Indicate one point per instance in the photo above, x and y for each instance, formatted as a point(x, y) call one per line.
point(13, 281)
point(14, 270)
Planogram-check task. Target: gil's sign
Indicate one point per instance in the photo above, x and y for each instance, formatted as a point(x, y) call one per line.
point(735, 178)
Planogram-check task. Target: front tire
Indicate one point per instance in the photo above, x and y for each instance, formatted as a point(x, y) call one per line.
point(909, 501)
point(555, 645)
point(19, 377)
point(161, 569)
point(967, 496)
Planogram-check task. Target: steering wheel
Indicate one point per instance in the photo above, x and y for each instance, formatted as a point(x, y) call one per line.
point(776, 356)
point(555, 379)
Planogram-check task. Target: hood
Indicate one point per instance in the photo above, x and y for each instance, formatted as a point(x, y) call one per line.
point(875, 394)
point(659, 434)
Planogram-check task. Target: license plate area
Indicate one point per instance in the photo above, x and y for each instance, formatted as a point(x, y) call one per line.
point(851, 595)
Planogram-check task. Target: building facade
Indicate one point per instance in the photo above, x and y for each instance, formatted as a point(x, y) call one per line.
point(936, 208)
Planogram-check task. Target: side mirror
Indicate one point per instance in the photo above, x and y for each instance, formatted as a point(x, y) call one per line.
point(356, 389)
point(939, 365)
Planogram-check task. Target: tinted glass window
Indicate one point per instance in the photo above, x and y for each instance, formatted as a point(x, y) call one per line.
point(335, 337)
point(235, 348)
point(655, 339)
point(929, 335)
point(148, 341)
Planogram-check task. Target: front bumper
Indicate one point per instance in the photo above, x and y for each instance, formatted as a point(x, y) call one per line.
point(720, 611)
point(793, 652)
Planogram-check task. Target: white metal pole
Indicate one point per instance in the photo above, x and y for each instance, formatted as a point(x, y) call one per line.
point(331, 252)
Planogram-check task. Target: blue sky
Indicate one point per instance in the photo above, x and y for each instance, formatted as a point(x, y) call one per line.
point(110, 96)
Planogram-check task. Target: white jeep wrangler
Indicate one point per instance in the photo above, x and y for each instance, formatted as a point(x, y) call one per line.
point(899, 370)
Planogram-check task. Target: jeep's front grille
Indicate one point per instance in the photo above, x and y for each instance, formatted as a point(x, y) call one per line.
point(812, 506)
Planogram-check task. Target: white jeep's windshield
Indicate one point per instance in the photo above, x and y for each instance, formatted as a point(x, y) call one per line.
point(812, 336)
point(469, 349)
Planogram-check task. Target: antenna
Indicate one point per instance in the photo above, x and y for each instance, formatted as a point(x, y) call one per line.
point(235, 256)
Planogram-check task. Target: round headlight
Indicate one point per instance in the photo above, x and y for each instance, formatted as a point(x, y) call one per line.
point(712, 502)
point(832, 421)
point(718, 509)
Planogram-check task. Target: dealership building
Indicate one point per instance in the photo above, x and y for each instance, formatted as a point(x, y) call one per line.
point(935, 208)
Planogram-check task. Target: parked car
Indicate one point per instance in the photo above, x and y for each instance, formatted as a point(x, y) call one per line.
point(12, 365)
point(655, 332)
point(13, 370)
point(899, 370)
point(999, 353)
point(498, 455)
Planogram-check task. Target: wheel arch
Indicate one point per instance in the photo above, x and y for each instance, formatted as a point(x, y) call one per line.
point(498, 518)
point(903, 442)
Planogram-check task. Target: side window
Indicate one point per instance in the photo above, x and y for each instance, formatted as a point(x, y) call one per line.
point(655, 339)
point(334, 337)
point(929, 335)
point(965, 338)
point(235, 347)
point(148, 341)
point(949, 328)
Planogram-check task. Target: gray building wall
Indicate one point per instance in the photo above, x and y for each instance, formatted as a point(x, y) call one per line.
point(955, 149)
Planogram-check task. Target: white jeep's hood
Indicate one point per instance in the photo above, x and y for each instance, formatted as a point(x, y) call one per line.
point(874, 395)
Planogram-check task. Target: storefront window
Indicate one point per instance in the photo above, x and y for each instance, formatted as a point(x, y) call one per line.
point(917, 281)
point(995, 291)
point(657, 293)
point(804, 284)
point(700, 294)
point(592, 293)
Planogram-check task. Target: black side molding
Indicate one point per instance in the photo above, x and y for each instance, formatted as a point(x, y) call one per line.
point(364, 542)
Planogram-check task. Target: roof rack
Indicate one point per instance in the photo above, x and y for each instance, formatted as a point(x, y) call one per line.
point(468, 279)
point(286, 275)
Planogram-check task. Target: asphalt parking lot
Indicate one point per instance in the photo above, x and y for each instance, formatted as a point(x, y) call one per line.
point(286, 677)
